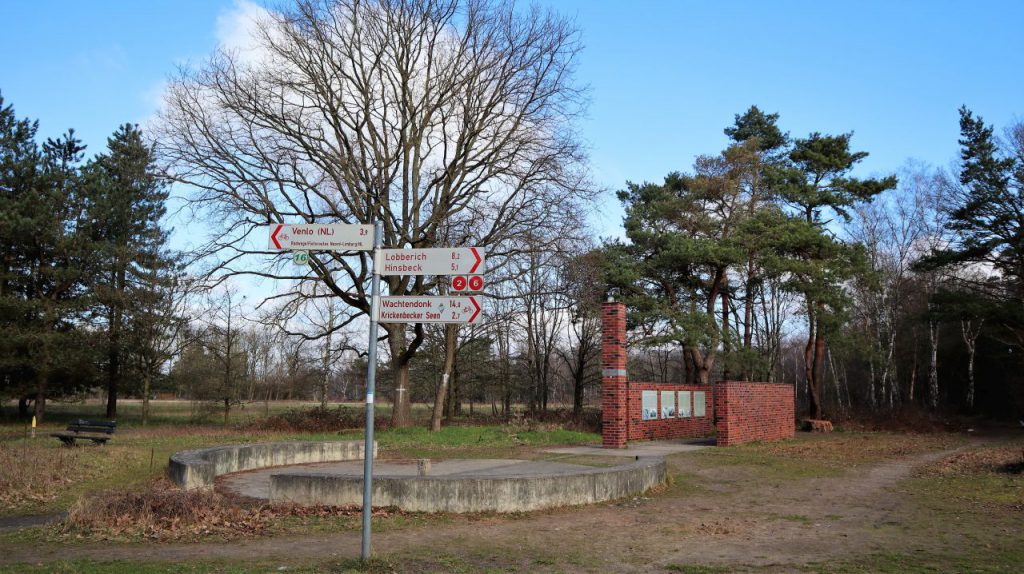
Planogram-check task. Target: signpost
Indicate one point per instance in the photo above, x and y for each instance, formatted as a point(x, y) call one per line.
point(429, 309)
point(465, 262)
point(321, 236)
point(434, 261)
point(371, 379)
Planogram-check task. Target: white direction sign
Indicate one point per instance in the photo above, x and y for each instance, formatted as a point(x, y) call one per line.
point(428, 309)
point(321, 237)
point(438, 261)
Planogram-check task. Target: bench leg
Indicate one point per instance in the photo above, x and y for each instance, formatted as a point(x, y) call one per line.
point(67, 440)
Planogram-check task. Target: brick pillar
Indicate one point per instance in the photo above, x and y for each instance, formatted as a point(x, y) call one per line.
point(614, 393)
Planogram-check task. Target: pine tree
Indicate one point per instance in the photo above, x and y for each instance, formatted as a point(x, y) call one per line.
point(46, 259)
point(815, 186)
point(126, 205)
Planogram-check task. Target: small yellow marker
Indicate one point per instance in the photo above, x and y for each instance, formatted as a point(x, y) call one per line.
point(33, 426)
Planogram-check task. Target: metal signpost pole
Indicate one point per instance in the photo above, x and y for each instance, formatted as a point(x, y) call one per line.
point(371, 376)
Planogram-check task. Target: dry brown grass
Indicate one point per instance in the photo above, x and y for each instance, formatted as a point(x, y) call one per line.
point(163, 512)
point(1005, 459)
point(845, 449)
point(34, 473)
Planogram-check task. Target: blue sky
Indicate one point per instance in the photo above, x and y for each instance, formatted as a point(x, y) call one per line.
point(666, 77)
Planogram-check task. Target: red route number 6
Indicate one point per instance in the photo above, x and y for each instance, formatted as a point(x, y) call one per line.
point(462, 283)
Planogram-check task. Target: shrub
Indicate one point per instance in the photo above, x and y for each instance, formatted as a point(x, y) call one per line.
point(316, 420)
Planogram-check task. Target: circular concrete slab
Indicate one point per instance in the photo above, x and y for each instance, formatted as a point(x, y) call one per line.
point(256, 483)
point(455, 485)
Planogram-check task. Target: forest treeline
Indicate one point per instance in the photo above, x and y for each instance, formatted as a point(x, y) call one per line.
point(772, 259)
point(767, 261)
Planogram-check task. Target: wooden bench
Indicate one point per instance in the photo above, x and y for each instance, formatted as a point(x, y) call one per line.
point(98, 432)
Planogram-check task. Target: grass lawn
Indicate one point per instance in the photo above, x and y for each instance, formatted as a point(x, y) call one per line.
point(815, 503)
point(39, 475)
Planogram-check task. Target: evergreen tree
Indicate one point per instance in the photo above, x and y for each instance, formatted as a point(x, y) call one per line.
point(126, 205)
point(815, 185)
point(20, 177)
point(989, 216)
point(674, 270)
point(45, 263)
point(760, 145)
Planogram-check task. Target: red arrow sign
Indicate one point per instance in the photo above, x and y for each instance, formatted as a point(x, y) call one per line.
point(478, 260)
point(273, 236)
point(475, 313)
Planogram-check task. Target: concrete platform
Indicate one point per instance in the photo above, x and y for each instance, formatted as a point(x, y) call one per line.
point(635, 449)
point(199, 469)
point(256, 483)
point(454, 485)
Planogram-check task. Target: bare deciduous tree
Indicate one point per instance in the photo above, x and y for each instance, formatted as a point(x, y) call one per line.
point(422, 114)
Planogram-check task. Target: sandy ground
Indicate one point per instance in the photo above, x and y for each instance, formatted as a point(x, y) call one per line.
point(713, 515)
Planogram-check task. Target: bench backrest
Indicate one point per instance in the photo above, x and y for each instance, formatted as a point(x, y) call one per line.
point(81, 425)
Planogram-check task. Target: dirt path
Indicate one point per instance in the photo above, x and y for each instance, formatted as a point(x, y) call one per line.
point(722, 515)
point(29, 520)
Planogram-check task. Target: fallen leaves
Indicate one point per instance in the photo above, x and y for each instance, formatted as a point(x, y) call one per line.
point(1003, 459)
point(164, 512)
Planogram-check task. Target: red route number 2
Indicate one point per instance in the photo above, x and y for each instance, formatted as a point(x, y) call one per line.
point(461, 283)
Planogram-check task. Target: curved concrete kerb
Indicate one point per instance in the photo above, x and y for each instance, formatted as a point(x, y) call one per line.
point(516, 486)
point(198, 468)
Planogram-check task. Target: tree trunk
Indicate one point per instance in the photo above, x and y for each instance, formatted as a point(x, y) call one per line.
point(970, 378)
point(913, 369)
point(809, 369)
point(726, 346)
point(114, 352)
point(401, 414)
point(146, 381)
point(113, 374)
point(748, 314)
point(42, 382)
point(818, 374)
point(970, 336)
point(814, 355)
point(933, 365)
point(327, 356)
point(23, 407)
point(450, 339)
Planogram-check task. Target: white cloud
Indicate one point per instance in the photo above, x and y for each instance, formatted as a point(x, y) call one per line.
point(236, 29)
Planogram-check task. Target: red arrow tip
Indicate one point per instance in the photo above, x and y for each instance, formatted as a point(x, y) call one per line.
point(478, 260)
point(475, 313)
point(273, 236)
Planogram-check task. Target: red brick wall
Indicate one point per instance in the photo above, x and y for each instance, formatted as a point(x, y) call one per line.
point(664, 428)
point(614, 414)
point(753, 411)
